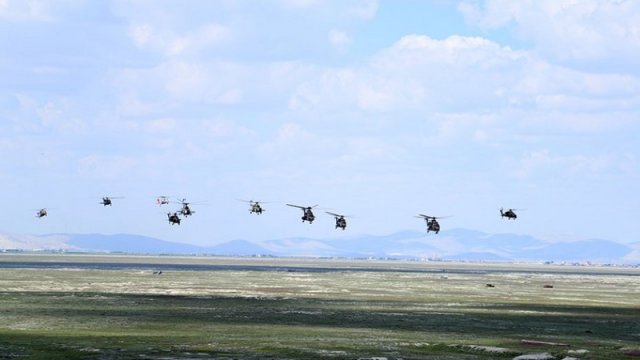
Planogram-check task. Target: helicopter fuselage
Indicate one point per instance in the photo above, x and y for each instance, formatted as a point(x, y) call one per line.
point(256, 209)
point(509, 214)
point(433, 225)
point(308, 216)
point(174, 218)
point(186, 210)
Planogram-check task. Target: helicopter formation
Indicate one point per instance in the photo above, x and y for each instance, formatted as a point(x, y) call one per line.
point(174, 217)
point(255, 207)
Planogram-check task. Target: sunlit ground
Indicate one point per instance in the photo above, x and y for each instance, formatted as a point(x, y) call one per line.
point(349, 309)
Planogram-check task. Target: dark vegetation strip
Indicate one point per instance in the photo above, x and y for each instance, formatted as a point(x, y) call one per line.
point(285, 268)
point(127, 326)
point(551, 321)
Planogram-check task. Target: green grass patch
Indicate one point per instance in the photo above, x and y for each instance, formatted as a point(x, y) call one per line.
point(133, 314)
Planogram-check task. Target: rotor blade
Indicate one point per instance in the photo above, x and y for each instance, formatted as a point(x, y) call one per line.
point(298, 206)
point(256, 201)
point(333, 214)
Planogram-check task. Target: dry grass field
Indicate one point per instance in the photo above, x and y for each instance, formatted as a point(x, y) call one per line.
point(121, 307)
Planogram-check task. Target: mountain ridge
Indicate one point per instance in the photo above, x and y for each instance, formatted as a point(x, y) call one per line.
point(454, 244)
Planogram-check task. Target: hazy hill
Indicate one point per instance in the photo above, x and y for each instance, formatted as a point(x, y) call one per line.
point(127, 243)
point(454, 244)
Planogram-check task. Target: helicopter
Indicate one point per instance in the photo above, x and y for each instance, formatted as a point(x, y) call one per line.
point(162, 200)
point(106, 200)
point(432, 222)
point(509, 214)
point(186, 210)
point(307, 214)
point(174, 218)
point(340, 220)
point(254, 206)
point(41, 213)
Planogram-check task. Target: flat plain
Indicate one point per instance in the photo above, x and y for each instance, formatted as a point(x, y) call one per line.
point(61, 306)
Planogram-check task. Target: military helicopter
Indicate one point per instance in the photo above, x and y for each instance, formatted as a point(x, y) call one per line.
point(254, 206)
point(341, 222)
point(41, 213)
point(432, 222)
point(186, 210)
point(307, 214)
point(509, 214)
point(106, 200)
point(162, 200)
point(174, 218)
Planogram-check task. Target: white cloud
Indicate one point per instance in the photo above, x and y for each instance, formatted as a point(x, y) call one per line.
point(180, 83)
point(294, 145)
point(298, 3)
point(172, 44)
point(543, 78)
point(185, 80)
point(549, 123)
point(544, 162)
point(533, 162)
point(141, 34)
point(292, 132)
point(367, 150)
point(112, 167)
point(419, 72)
point(48, 70)
point(376, 97)
point(154, 90)
point(359, 9)
point(165, 125)
point(53, 114)
point(26, 10)
point(585, 31)
point(454, 50)
point(329, 87)
point(226, 129)
point(128, 104)
point(467, 75)
point(231, 96)
point(456, 127)
point(339, 39)
point(365, 9)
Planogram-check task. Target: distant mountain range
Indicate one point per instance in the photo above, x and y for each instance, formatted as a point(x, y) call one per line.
point(455, 244)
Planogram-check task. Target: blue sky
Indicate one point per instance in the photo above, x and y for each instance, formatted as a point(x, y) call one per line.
point(376, 109)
